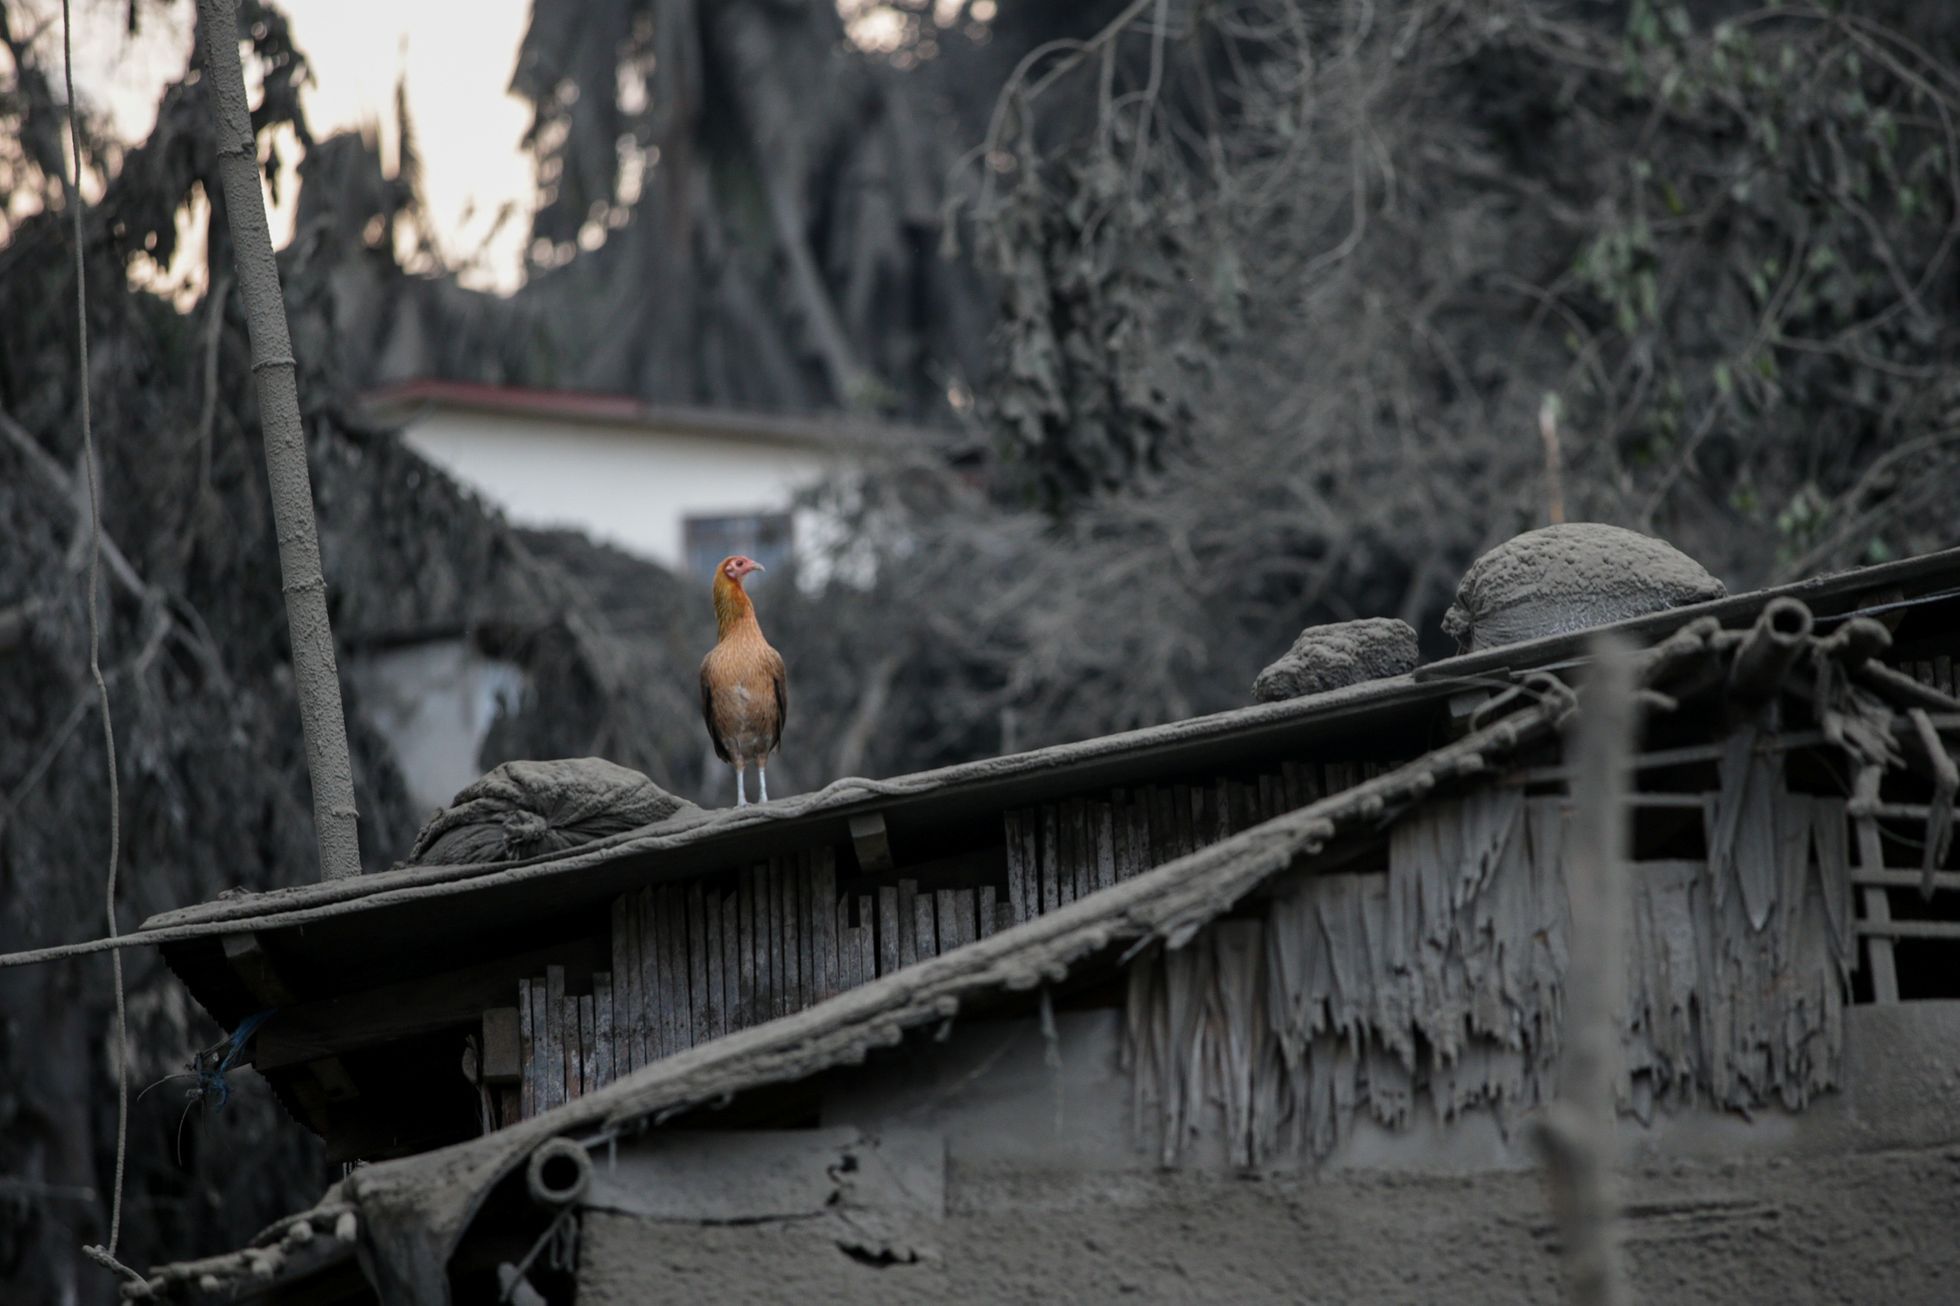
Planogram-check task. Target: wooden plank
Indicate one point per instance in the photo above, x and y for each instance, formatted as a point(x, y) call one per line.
point(787, 882)
point(1074, 859)
point(1155, 850)
point(1896, 878)
point(888, 949)
point(925, 939)
point(588, 1042)
point(574, 1050)
point(765, 945)
point(446, 1001)
point(626, 991)
point(984, 916)
point(778, 978)
point(687, 922)
point(1129, 840)
point(620, 959)
point(1943, 673)
point(866, 945)
point(823, 921)
point(1876, 931)
point(908, 934)
point(588, 1031)
point(1188, 839)
point(847, 956)
point(1103, 820)
point(554, 1036)
point(717, 994)
point(625, 982)
point(745, 968)
point(1051, 841)
point(803, 877)
point(254, 968)
point(873, 845)
point(1143, 827)
point(1003, 917)
point(659, 987)
point(1031, 862)
point(510, 1102)
point(502, 1063)
point(1878, 909)
point(646, 1012)
point(1245, 805)
point(700, 1001)
point(527, 1053)
point(675, 1024)
point(1084, 837)
point(599, 1066)
point(1289, 785)
point(964, 909)
point(731, 980)
point(1017, 885)
point(541, 1046)
point(945, 913)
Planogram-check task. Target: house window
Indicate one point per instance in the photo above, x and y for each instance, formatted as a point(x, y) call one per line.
point(764, 536)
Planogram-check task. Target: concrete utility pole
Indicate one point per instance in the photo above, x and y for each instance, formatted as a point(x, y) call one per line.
point(315, 676)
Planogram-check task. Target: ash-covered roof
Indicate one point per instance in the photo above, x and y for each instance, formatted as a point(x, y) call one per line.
point(416, 899)
point(405, 399)
point(414, 1211)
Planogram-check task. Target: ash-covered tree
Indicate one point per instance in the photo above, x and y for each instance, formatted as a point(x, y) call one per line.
point(1295, 298)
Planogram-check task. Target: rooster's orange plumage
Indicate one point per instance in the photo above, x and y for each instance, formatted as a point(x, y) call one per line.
point(744, 690)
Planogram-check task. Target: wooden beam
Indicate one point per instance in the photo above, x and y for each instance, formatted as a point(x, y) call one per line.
point(255, 970)
point(1878, 909)
point(501, 1044)
point(873, 843)
point(327, 1027)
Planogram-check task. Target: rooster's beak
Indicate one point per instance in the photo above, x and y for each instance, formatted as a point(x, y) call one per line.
point(756, 566)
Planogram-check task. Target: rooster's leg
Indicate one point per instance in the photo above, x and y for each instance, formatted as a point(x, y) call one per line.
point(762, 779)
point(741, 789)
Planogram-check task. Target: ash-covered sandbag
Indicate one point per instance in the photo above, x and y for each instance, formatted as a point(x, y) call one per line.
point(1341, 653)
point(524, 809)
point(1565, 578)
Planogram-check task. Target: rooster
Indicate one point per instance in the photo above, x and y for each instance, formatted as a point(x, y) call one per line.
point(744, 691)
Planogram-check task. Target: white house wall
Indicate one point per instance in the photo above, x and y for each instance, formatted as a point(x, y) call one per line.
point(629, 487)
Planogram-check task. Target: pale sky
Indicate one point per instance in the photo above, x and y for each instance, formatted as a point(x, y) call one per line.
point(458, 55)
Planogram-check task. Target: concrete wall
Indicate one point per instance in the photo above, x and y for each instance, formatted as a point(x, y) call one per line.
point(1844, 1229)
point(1038, 1195)
point(627, 486)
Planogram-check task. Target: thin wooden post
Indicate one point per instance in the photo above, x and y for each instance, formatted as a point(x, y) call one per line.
point(600, 1059)
point(1577, 1131)
point(527, 1057)
point(315, 677)
point(1878, 908)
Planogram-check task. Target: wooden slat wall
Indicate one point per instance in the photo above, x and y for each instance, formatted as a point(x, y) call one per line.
point(692, 962)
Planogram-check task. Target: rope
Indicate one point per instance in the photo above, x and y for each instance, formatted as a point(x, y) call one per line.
point(95, 632)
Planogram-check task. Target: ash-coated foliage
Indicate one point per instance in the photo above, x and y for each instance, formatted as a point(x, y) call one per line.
point(1238, 315)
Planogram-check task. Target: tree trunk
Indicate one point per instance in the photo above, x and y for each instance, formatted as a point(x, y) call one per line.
point(315, 676)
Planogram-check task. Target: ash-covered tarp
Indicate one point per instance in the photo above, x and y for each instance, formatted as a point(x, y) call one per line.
point(1339, 654)
point(527, 809)
point(1570, 577)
